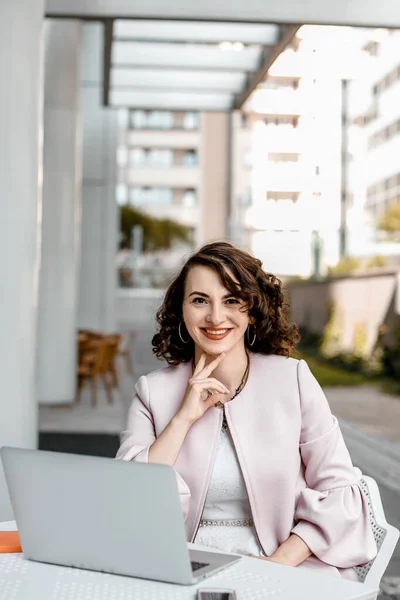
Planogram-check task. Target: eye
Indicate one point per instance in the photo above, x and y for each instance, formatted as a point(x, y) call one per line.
point(198, 300)
point(232, 301)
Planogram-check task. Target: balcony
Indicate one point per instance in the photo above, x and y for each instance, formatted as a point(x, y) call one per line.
point(290, 176)
point(277, 102)
point(160, 139)
point(183, 177)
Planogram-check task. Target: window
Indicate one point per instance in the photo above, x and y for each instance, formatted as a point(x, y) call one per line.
point(282, 121)
point(190, 158)
point(280, 157)
point(189, 198)
point(293, 196)
point(122, 193)
point(163, 119)
point(151, 157)
point(390, 79)
point(276, 83)
point(191, 120)
point(151, 119)
point(159, 196)
point(387, 133)
point(372, 48)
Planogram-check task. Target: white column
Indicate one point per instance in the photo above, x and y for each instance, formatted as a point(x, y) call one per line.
point(97, 287)
point(20, 171)
point(56, 360)
point(214, 182)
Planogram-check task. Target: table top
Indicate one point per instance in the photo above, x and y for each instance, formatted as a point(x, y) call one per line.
point(252, 578)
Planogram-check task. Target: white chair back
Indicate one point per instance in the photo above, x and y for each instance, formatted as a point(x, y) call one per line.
point(386, 535)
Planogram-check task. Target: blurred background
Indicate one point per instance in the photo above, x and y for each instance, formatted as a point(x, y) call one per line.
point(130, 136)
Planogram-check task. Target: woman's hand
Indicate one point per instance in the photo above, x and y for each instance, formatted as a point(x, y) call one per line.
point(202, 391)
point(292, 552)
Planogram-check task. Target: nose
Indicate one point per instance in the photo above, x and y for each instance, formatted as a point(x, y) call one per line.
point(216, 314)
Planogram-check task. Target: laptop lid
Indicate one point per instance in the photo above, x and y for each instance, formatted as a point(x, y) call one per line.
point(98, 513)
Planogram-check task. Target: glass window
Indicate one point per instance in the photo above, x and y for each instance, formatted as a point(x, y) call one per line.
point(190, 120)
point(163, 196)
point(137, 156)
point(279, 157)
point(160, 119)
point(162, 157)
point(150, 157)
point(190, 158)
point(142, 196)
point(138, 119)
point(122, 193)
point(292, 196)
point(189, 198)
point(151, 119)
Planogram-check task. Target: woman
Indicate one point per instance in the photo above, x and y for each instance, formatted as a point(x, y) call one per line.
point(261, 464)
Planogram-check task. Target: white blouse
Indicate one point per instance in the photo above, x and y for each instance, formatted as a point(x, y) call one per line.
point(227, 499)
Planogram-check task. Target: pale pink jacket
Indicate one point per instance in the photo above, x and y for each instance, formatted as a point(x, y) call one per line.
point(297, 469)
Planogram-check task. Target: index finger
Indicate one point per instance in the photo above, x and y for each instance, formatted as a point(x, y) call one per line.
point(213, 365)
point(200, 364)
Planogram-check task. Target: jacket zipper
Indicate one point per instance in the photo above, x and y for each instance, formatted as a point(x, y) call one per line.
point(245, 480)
point(212, 462)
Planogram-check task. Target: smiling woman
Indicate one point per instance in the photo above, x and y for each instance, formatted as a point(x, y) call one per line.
point(218, 284)
point(261, 465)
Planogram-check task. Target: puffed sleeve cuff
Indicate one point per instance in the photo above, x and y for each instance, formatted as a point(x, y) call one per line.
point(335, 526)
point(141, 454)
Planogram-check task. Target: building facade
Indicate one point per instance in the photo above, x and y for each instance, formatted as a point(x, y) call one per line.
point(374, 137)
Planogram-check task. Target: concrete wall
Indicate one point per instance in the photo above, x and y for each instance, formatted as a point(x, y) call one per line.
point(365, 301)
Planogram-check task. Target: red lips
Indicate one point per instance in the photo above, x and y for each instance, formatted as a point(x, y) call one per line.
point(215, 336)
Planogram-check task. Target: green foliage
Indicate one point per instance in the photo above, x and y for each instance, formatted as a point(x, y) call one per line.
point(360, 339)
point(158, 234)
point(330, 341)
point(327, 350)
point(390, 221)
point(376, 261)
point(347, 264)
point(330, 375)
point(391, 355)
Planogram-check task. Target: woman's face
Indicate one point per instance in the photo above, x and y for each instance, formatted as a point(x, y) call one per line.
point(212, 315)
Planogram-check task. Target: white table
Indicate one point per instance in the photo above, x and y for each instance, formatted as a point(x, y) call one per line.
point(253, 579)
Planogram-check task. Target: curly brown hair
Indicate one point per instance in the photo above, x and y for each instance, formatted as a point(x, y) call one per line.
point(241, 274)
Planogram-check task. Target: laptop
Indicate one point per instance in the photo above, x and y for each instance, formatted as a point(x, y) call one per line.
point(104, 515)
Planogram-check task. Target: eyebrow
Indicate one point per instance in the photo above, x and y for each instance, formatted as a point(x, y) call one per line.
point(207, 296)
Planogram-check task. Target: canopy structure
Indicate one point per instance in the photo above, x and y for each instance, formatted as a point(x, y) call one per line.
point(187, 65)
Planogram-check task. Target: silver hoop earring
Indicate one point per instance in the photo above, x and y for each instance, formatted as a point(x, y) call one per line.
point(251, 343)
point(180, 334)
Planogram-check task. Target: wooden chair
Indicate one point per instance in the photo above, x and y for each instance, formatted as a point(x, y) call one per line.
point(112, 342)
point(127, 339)
point(94, 364)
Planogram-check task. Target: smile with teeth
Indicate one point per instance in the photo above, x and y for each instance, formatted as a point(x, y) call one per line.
point(215, 334)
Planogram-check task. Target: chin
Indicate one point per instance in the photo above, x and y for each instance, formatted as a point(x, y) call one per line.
point(215, 348)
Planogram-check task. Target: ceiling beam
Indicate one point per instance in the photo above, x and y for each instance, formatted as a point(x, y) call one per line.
point(108, 40)
point(286, 37)
point(362, 13)
point(187, 67)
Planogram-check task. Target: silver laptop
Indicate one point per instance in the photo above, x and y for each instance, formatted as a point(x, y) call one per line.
point(104, 515)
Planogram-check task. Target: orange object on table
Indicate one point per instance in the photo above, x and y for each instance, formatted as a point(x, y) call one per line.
point(10, 542)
